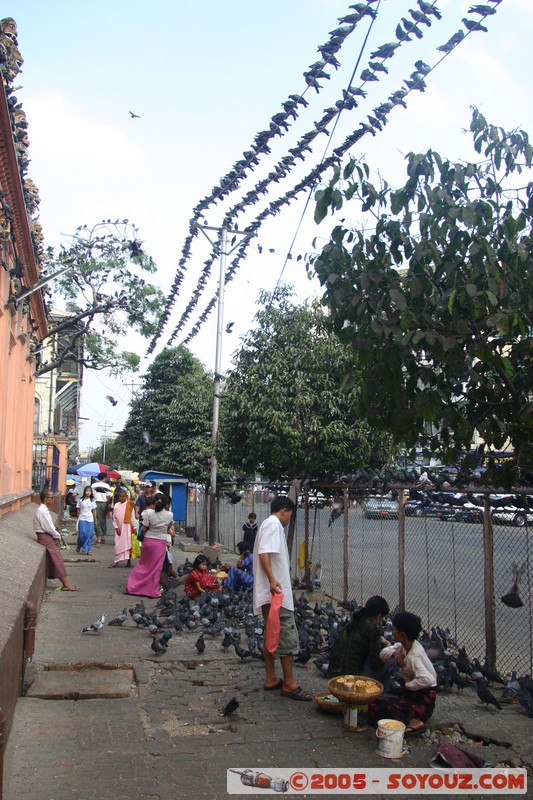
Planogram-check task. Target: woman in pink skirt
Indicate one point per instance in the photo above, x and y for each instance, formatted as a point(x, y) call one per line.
point(156, 523)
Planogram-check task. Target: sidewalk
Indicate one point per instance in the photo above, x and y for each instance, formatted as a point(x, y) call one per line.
point(129, 725)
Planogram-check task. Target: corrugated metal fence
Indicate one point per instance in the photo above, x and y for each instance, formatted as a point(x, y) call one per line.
point(450, 565)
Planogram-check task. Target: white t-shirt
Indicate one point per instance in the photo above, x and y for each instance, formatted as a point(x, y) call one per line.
point(86, 506)
point(271, 539)
point(157, 523)
point(419, 672)
point(101, 491)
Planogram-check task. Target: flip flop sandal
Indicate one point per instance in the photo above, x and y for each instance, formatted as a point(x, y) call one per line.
point(415, 731)
point(296, 694)
point(278, 685)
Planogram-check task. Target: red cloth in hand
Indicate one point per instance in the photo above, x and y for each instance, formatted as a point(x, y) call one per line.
point(273, 624)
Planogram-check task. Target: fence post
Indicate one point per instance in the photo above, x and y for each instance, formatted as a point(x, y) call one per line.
point(488, 568)
point(307, 568)
point(401, 550)
point(345, 547)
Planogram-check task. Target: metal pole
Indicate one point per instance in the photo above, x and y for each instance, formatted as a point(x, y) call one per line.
point(488, 569)
point(213, 532)
point(345, 547)
point(401, 550)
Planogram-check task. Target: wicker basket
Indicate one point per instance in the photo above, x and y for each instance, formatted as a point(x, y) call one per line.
point(355, 698)
point(328, 705)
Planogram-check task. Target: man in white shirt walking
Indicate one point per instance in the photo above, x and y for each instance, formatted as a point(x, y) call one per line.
point(102, 495)
point(49, 537)
point(272, 577)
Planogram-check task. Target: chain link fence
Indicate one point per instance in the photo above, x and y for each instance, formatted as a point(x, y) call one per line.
point(448, 559)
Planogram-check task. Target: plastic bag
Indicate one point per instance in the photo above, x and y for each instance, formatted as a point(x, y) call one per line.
point(301, 556)
point(453, 757)
point(272, 631)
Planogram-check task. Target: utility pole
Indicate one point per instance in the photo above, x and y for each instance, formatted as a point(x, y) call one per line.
point(223, 231)
point(106, 428)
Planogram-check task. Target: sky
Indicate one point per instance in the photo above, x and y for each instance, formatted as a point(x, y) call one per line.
point(204, 79)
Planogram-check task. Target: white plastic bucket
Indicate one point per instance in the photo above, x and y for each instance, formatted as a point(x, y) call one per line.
point(390, 738)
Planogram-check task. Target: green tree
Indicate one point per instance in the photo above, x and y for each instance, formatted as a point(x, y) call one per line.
point(170, 420)
point(283, 408)
point(106, 297)
point(437, 300)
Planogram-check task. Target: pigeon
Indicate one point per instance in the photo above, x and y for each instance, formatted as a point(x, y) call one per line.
point(244, 654)
point(165, 638)
point(231, 707)
point(111, 400)
point(337, 511)
point(485, 695)
point(157, 647)
point(96, 626)
point(229, 327)
point(525, 698)
point(200, 644)
point(122, 617)
point(512, 598)
point(233, 497)
point(134, 116)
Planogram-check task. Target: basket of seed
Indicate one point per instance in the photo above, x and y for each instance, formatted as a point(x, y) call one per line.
point(355, 689)
point(328, 702)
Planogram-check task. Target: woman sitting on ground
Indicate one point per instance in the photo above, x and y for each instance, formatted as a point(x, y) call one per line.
point(415, 705)
point(241, 575)
point(357, 648)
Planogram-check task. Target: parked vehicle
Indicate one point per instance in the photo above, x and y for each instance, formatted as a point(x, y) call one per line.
point(421, 508)
point(315, 499)
point(380, 507)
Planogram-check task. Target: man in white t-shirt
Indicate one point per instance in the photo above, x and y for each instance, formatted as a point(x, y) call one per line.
point(102, 495)
point(272, 576)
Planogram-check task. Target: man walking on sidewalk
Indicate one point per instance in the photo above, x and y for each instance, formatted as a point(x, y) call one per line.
point(102, 495)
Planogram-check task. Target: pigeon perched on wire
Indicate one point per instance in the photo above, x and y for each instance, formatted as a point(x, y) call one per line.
point(512, 598)
point(95, 627)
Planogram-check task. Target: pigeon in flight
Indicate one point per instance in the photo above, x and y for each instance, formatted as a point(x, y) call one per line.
point(134, 116)
point(111, 400)
point(512, 598)
point(96, 626)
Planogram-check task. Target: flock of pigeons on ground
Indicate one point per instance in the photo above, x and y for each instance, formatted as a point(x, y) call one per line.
point(226, 622)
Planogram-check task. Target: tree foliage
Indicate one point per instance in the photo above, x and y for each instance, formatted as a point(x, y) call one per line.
point(283, 410)
point(437, 299)
point(106, 296)
point(170, 420)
